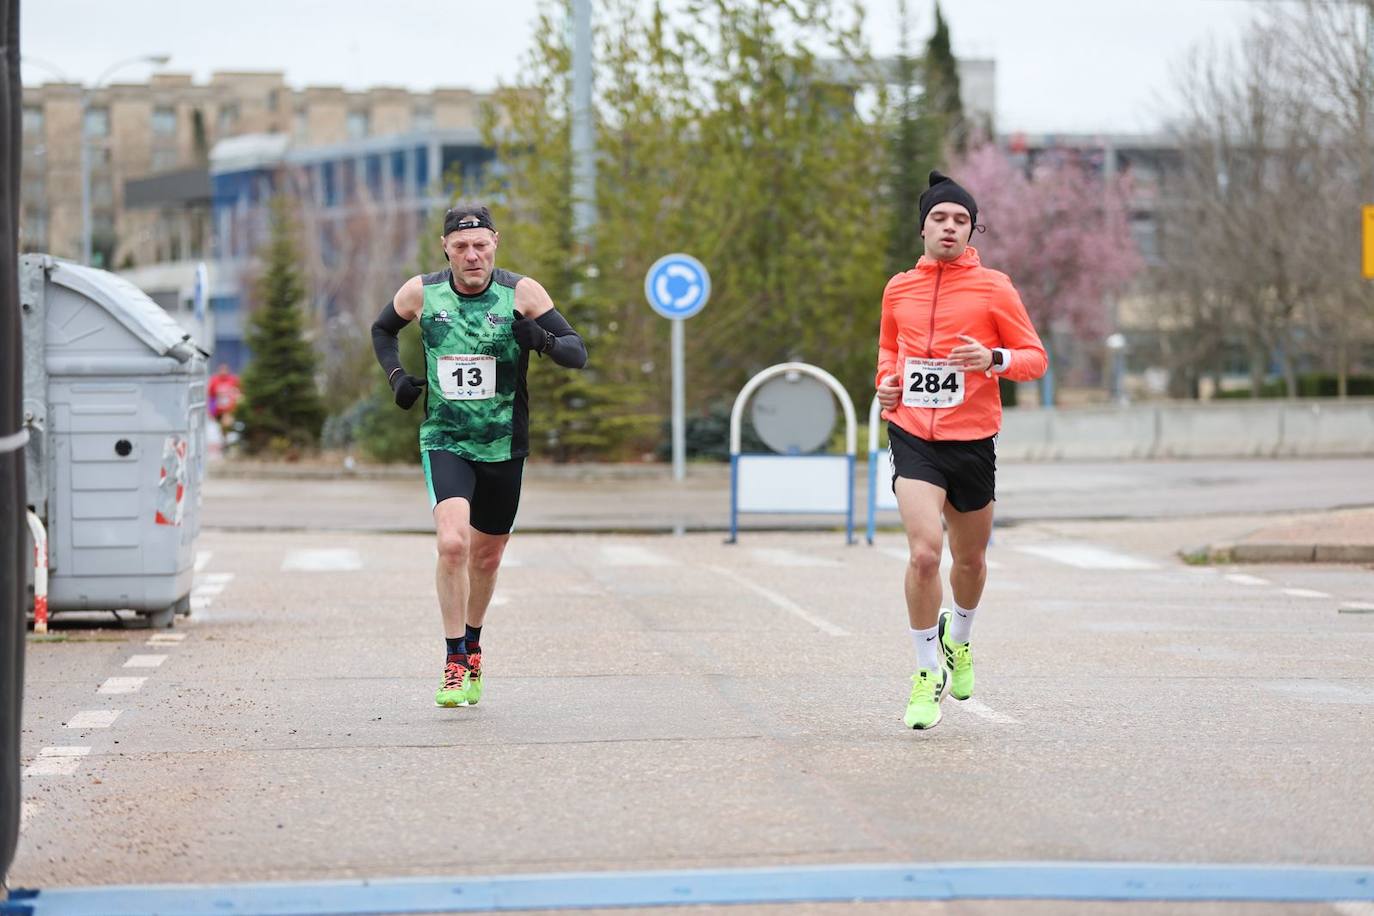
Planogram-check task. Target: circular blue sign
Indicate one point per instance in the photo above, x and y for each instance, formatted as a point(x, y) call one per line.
point(677, 286)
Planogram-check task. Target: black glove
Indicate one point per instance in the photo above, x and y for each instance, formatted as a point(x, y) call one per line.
point(408, 389)
point(530, 335)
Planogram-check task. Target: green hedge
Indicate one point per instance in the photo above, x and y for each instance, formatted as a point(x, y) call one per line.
point(1310, 385)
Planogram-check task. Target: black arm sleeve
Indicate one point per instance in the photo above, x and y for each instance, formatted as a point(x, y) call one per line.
point(385, 344)
point(566, 347)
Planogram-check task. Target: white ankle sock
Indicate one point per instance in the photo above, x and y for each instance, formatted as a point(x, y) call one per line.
point(961, 623)
point(927, 647)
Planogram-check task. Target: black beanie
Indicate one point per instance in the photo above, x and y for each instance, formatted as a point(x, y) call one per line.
point(944, 190)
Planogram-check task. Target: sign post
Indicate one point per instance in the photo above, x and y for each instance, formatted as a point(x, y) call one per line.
point(677, 287)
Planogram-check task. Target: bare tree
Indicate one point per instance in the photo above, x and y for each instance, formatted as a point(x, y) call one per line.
point(1249, 218)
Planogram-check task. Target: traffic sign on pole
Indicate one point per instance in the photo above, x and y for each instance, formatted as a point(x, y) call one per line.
point(677, 287)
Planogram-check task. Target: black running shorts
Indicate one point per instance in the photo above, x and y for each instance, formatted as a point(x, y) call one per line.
point(492, 488)
point(966, 471)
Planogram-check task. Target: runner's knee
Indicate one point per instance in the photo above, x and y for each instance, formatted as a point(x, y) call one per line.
point(487, 558)
point(925, 560)
point(455, 547)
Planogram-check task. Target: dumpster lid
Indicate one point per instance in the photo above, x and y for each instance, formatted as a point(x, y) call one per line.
point(129, 305)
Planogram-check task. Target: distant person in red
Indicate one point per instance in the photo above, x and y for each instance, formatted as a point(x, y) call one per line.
point(223, 392)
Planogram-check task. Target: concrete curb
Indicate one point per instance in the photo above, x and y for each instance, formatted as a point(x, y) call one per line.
point(1278, 552)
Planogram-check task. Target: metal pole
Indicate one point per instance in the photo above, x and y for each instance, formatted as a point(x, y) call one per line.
point(583, 135)
point(679, 401)
point(85, 182)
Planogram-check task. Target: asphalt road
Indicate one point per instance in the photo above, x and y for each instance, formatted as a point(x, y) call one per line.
point(674, 702)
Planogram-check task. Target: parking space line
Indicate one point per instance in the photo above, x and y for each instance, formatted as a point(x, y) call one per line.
point(122, 685)
point(203, 559)
point(145, 661)
point(56, 761)
point(94, 718)
point(781, 601)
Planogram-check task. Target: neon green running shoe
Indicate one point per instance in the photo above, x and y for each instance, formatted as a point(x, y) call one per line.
point(927, 689)
point(474, 677)
point(958, 659)
point(454, 689)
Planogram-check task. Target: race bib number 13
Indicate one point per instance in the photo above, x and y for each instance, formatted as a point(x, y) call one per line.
point(467, 377)
point(936, 383)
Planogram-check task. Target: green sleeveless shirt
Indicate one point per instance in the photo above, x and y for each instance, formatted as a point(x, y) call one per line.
point(476, 403)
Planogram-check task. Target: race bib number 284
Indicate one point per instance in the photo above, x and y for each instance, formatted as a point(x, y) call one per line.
point(934, 383)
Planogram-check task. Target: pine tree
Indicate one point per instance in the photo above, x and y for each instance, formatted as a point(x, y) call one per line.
point(281, 409)
point(942, 100)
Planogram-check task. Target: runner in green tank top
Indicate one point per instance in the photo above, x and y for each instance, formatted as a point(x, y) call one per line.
point(478, 324)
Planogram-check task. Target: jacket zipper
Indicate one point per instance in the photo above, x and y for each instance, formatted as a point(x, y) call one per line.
point(930, 341)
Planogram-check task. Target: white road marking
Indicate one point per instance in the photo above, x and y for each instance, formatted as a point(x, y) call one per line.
point(94, 718)
point(983, 711)
point(208, 590)
point(1305, 593)
point(145, 661)
point(946, 561)
point(165, 639)
point(633, 555)
point(498, 601)
point(329, 559)
point(1243, 579)
point(201, 603)
point(779, 556)
point(783, 602)
point(1356, 607)
point(121, 685)
point(1086, 556)
point(56, 761)
point(202, 559)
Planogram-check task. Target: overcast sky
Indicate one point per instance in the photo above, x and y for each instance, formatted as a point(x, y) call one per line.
point(1062, 65)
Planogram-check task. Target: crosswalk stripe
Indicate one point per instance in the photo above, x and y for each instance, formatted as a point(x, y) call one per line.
point(1086, 556)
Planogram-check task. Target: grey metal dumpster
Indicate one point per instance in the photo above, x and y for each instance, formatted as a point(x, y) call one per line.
point(114, 395)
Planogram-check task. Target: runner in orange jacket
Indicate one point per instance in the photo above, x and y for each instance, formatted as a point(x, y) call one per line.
point(950, 326)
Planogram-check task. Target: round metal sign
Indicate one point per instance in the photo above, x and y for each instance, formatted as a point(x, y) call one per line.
point(793, 413)
point(677, 286)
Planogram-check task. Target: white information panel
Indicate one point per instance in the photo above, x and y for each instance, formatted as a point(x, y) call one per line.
point(792, 483)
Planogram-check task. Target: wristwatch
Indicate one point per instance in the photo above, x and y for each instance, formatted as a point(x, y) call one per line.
point(998, 357)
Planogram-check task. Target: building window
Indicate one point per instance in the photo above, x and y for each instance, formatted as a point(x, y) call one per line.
point(33, 119)
point(97, 122)
point(423, 120)
point(165, 121)
point(358, 125)
point(228, 118)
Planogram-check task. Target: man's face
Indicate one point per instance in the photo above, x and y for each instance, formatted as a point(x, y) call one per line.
point(946, 231)
point(472, 254)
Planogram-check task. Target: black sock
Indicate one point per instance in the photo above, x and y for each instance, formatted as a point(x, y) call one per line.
point(456, 645)
point(473, 636)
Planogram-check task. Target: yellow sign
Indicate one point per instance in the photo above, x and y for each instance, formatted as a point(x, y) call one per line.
point(1368, 241)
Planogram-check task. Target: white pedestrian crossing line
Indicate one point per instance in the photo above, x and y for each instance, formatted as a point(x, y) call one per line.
point(983, 711)
point(202, 559)
point(329, 559)
point(633, 555)
point(145, 661)
point(782, 601)
point(1243, 579)
point(56, 761)
point(1305, 593)
point(1086, 556)
point(779, 556)
point(122, 685)
point(94, 718)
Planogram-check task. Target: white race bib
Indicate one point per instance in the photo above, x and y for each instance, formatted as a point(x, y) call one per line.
point(937, 383)
point(467, 377)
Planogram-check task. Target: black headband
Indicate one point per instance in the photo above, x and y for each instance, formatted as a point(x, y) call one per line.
point(455, 220)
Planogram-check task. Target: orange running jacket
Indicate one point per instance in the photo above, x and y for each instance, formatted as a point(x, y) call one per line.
point(925, 309)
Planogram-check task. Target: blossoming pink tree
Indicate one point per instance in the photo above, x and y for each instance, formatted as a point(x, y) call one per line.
point(1061, 233)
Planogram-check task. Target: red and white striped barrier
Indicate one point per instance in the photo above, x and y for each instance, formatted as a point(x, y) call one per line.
point(40, 574)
